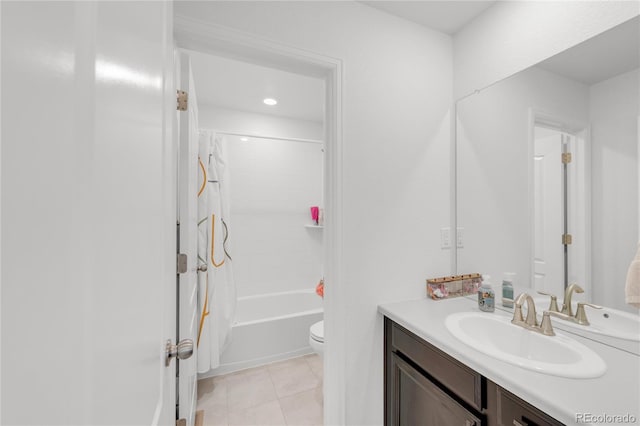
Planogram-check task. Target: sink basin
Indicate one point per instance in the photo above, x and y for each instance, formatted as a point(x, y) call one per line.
point(606, 321)
point(494, 335)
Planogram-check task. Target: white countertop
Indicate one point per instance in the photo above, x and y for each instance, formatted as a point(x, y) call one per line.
point(617, 392)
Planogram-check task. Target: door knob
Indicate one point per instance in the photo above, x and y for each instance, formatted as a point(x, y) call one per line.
point(183, 350)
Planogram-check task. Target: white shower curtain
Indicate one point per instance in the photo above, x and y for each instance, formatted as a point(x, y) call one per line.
point(216, 287)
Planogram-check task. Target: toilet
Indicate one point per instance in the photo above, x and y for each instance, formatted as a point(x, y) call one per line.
point(316, 337)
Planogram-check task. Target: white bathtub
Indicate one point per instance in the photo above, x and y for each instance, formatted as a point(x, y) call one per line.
point(270, 327)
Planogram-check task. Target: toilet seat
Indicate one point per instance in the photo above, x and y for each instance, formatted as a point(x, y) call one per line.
point(317, 332)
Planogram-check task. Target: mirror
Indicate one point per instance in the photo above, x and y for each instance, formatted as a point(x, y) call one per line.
point(547, 171)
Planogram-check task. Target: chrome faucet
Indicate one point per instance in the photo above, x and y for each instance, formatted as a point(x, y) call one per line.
point(531, 323)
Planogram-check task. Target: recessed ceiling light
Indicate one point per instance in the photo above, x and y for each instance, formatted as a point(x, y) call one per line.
point(244, 139)
point(270, 101)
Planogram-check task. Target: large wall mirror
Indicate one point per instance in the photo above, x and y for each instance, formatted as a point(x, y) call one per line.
point(547, 171)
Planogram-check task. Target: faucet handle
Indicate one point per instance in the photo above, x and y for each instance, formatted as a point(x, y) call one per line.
point(553, 305)
point(517, 314)
point(545, 326)
point(581, 316)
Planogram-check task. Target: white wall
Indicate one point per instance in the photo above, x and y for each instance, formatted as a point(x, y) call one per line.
point(511, 36)
point(614, 129)
point(493, 159)
point(397, 93)
point(272, 185)
point(229, 120)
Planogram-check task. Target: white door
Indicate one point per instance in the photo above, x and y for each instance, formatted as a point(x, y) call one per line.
point(548, 213)
point(88, 213)
point(188, 238)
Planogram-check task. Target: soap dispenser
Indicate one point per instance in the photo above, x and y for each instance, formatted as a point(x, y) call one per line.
point(486, 295)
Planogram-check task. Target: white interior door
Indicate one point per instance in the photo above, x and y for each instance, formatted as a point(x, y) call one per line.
point(88, 213)
point(188, 238)
point(548, 213)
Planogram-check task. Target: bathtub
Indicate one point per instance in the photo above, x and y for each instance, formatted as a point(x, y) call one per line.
point(268, 328)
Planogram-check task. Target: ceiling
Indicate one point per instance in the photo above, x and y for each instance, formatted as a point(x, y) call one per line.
point(611, 53)
point(445, 16)
point(231, 84)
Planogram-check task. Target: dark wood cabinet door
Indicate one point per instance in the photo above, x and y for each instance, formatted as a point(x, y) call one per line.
point(419, 402)
point(513, 411)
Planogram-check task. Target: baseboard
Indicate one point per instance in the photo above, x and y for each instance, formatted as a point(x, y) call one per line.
point(243, 365)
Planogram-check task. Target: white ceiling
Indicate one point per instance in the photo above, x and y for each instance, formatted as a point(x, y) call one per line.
point(609, 54)
point(445, 16)
point(231, 84)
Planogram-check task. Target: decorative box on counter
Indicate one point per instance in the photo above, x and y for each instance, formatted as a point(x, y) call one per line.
point(454, 286)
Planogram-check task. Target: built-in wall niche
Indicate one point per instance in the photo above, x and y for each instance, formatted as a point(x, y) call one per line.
point(547, 171)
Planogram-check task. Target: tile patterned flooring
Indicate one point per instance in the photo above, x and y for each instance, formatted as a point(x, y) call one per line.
point(283, 393)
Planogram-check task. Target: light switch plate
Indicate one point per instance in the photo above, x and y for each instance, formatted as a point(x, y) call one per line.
point(445, 238)
point(460, 237)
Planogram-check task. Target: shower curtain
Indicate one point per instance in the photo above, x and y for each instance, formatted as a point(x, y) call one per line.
point(216, 287)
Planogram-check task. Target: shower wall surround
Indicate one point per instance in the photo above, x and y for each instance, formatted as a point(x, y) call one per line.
point(212, 117)
point(273, 183)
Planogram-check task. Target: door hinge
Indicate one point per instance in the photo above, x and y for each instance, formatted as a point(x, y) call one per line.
point(567, 239)
point(181, 266)
point(181, 422)
point(183, 100)
point(566, 157)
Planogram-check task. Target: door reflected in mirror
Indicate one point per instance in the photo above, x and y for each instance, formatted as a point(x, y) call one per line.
point(560, 190)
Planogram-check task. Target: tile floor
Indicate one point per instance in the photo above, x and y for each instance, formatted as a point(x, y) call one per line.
point(283, 393)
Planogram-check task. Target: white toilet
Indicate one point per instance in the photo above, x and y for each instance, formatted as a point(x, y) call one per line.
point(316, 337)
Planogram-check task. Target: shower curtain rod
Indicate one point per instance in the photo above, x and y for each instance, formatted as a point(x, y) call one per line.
point(269, 137)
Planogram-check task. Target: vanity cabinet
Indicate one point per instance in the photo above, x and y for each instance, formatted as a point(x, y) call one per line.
point(425, 386)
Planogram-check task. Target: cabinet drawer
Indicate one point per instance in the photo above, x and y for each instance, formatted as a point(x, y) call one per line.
point(457, 377)
point(513, 411)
